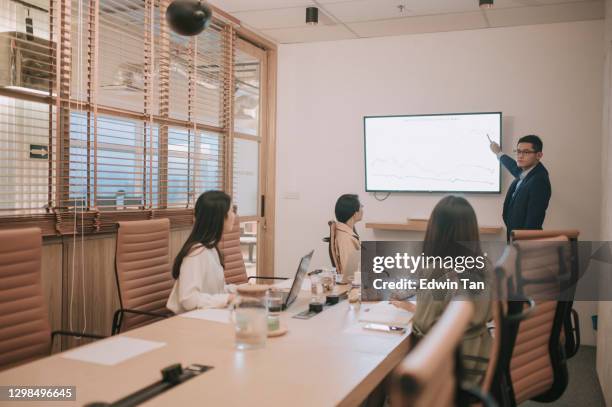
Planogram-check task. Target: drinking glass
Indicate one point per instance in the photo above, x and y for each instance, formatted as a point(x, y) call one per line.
point(250, 318)
point(275, 304)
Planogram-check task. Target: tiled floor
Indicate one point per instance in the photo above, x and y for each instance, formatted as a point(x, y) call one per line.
point(583, 388)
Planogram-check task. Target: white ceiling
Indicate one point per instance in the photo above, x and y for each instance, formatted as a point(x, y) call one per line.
point(284, 20)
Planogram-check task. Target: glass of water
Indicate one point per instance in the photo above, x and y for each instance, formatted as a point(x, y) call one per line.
point(250, 316)
point(275, 306)
point(328, 279)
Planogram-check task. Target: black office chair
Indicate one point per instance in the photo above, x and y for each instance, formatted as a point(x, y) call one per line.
point(331, 244)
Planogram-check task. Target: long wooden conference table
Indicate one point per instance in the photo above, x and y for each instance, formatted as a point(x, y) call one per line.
point(323, 361)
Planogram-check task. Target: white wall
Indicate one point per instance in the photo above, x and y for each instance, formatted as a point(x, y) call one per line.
point(546, 79)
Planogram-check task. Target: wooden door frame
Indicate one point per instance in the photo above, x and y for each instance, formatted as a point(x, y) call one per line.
point(267, 147)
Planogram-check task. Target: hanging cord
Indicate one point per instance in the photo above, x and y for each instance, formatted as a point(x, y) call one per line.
point(85, 178)
point(151, 72)
point(381, 199)
point(82, 204)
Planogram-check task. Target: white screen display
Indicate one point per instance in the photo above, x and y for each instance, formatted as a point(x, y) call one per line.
point(433, 153)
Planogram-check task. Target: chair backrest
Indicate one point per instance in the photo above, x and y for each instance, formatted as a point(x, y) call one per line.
point(25, 333)
point(143, 269)
point(533, 359)
point(334, 255)
point(570, 336)
point(235, 269)
point(427, 376)
point(544, 234)
point(497, 311)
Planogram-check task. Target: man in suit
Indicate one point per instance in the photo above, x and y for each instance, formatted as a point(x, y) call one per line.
point(527, 199)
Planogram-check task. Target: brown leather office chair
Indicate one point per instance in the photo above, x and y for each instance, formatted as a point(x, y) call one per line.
point(235, 269)
point(571, 234)
point(430, 374)
point(143, 273)
point(570, 335)
point(25, 333)
point(532, 360)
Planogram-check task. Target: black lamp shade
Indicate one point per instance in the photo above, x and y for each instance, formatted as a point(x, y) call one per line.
point(188, 17)
point(312, 15)
point(485, 3)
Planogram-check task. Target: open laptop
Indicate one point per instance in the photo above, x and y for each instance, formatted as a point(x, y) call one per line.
point(290, 296)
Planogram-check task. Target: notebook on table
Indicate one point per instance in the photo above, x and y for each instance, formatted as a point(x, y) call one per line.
point(384, 313)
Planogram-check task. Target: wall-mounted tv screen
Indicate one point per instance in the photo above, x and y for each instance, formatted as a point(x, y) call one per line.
point(432, 153)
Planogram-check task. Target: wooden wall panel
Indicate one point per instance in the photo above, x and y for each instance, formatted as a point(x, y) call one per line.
point(90, 293)
point(52, 284)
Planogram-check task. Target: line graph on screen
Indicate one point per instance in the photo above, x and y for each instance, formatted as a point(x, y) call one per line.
point(432, 153)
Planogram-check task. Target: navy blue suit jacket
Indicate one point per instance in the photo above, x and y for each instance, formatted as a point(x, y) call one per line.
point(527, 209)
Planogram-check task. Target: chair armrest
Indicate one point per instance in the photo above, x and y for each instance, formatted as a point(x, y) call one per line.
point(76, 334)
point(524, 313)
point(268, 278)
point(572, 331)
point(576, 327)
point(149, 313)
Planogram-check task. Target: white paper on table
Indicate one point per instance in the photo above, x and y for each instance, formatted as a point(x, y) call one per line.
point(358, 329)
point(112, 351)
point(384, 313)
point(209, 314)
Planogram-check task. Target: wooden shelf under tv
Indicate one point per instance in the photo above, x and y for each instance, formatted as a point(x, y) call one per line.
point(420, 225)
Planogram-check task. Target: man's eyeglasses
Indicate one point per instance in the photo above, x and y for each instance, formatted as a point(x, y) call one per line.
point(524, 152)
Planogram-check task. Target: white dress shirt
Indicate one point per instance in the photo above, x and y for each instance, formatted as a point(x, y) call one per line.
point(523, 173)
point(201, 283)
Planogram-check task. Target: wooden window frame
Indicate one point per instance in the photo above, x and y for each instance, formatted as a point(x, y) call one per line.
point(56, 221)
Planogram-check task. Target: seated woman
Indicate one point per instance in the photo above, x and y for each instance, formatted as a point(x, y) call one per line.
point(198, 267)
point(453, 231)
point(349, 211)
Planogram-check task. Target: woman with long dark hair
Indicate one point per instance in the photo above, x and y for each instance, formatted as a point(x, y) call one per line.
point(453, 231)
point(198, 267)
point(348, 212)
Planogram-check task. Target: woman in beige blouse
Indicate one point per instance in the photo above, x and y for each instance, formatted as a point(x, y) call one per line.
point(349, 211)
point(453, 231)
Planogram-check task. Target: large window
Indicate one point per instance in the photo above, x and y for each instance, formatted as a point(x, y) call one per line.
point(104, 111)
point(117, 166)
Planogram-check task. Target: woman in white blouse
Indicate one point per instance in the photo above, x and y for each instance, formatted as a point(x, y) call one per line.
point(198, 267)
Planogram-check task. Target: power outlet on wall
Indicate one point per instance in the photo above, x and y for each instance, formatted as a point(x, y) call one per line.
point(291, 195)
